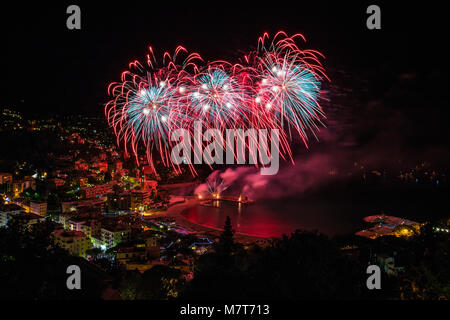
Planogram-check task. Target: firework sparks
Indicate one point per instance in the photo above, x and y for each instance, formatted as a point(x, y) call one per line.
point(277, 87)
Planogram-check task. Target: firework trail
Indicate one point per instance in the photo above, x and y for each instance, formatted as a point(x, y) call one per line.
point(216, 186)
point(145, 106)
point(276, 86)
point(218, 100)
point(286, 83)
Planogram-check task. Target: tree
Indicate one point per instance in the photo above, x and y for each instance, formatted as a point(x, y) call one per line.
point(93, 252)
point(158, 283)
point(107, 177)
point(225, 247)
point(130, 286)
point(162, 283)
point(32, 268)
point(303, 265)
point(419, 283)
point(92, 180)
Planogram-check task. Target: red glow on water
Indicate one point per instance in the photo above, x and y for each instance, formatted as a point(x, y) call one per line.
point(261, 225)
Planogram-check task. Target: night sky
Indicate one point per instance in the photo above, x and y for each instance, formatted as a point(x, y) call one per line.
point(49, 69)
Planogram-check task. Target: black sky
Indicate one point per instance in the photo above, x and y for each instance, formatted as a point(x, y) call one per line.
point(49, 69)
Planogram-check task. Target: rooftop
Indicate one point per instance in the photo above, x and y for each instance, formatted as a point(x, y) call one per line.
point(28, 216)
point(68, 234)
point(114, 228)
point(388, 220)
point(9, 207)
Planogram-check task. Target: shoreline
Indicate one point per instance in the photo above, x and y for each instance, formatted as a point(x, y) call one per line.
point(175, 211)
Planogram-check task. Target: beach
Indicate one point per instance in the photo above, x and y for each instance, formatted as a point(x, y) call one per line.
point(180, 203)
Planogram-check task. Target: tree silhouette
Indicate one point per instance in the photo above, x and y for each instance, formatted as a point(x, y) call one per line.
point(303, 265)
point(107, 177)
point(226, 246)
point(32, 268)
point(158, 283)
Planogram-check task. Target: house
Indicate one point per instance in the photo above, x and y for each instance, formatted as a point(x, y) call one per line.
point(81, 165)
point(143, 266)
point(5, 178)
point(39, 208)
point(151, 186)
point(91, 227)
point(73, 241)
point(102, 166)
point(22, 185)
point(113, 234)
point(92, 205)
point(7, 210)
point(119, 201)
point(131, 253)
point(27, 218)
point(182, 265)
point(57, 182)
point(64, 220)
point(118, 166)
point(96, 191)
point(140, 200)
point(76, 223)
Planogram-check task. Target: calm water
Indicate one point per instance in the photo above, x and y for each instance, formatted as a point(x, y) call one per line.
point(273, 218)
point(331, 213)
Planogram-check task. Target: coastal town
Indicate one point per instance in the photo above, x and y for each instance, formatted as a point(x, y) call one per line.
point(102, 207)
point(115, 215)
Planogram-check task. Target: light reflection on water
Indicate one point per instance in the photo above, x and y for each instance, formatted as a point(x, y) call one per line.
point(339, 211)
point(274, 218)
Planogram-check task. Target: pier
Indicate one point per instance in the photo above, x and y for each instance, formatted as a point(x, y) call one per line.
point(226, 198)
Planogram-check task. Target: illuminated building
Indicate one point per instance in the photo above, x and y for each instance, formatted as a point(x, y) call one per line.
point(90, 228)
point(28, 218)
point(97, 242)
point(73, 241)
point(93, 205)
point(76, 224)
point(389, 226)
point(5, 178)
point(101, 166)
point(81, 165)
point(151, 185)
point(64, 220)
point(127, 254)
point(112, 235)
point(141, 266)
point(83, 181)
point(120, 201)
point(140, 200)
point(39, 208)
point(406, 231)
point(21, 185)
point(57, 182)
point(98, 190)
point(118, 165)
point(7, 210)
point(181, 265)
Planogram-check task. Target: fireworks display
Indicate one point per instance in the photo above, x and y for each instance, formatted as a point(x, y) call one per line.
point(276, 86)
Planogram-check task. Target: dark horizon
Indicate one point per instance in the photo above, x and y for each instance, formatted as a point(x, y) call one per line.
point(67, 71)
